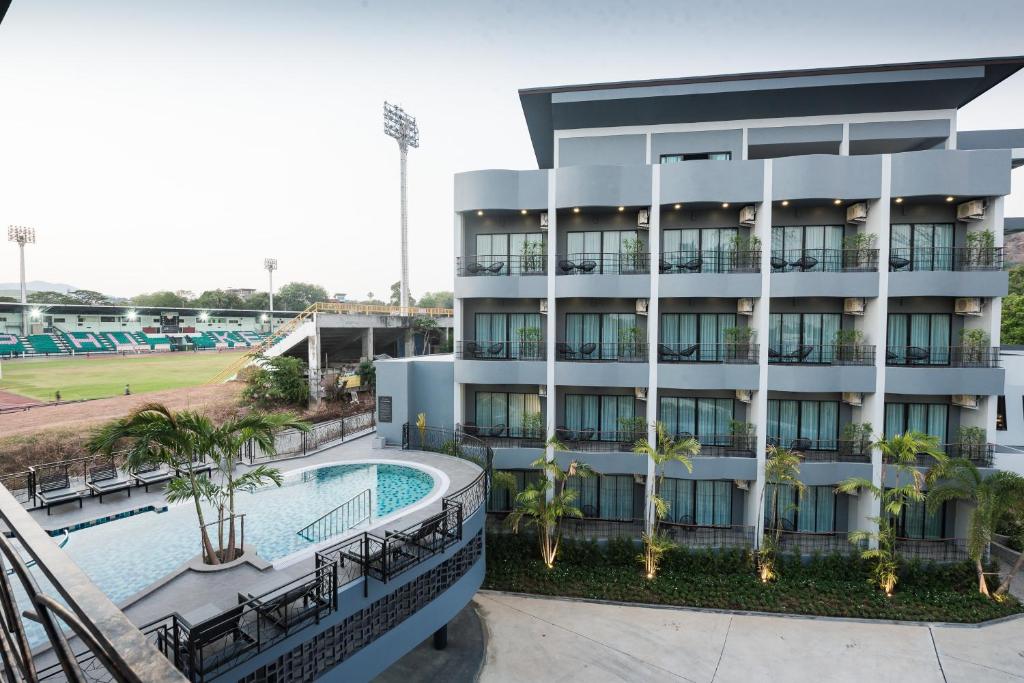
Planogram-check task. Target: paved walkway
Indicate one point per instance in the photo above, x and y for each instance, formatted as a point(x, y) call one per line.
point(561, 640)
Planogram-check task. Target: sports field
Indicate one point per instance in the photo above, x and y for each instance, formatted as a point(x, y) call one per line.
point(102, 376)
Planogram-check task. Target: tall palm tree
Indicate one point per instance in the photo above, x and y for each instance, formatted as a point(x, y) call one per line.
point(992, 497)
point(781, 468)
point(665, 450)
point(545, 502)
point(902, 452)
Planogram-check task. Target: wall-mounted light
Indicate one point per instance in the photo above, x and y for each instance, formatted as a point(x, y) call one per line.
point(837, 202)
point(949, 199)
point(479, 212)
point(522, 211)
point(898, 200)
point(677, 207)
point(35, 313)
point(131, 314)
point(576, 209)
point(725, 205)
point(622, 208)
point(204, 316)
point(785, 202)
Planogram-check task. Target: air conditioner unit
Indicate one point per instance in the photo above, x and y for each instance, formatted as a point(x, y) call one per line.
point(742, 484)
point(969, 401)
point(970, 305)
point(853, 398)
point(853, 306)
point(542, 389)
point(543, 306)
point(743, 395)
point(641, 306)
point(745, 306)
point(748, 214)
point(640, 479)
point(973, 210)
point(857, 213)
point(643, 219)
point(640, 393)
point(544, 220)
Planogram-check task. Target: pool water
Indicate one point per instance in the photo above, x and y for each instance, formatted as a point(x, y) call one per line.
point(126, 555)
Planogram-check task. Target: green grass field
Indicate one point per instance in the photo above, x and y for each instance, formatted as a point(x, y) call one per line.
point(99, 377)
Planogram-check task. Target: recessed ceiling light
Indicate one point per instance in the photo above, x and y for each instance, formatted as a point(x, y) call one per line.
point(837, 202)
point(522, 211)
point(899, 200)
point(678, 206)
point(576, 209)
point(725, 205)
point(622, 208)
point(479, 212)
point(785, 202)
point(949, 199)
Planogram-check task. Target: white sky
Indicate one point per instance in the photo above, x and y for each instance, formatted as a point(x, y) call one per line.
point(174, 145)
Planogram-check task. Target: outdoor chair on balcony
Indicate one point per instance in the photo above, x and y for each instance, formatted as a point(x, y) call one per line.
point(800, 354)
point(496, 267)
point(496, 431)
point(800, 445)
point(917, 354)
point(474, 268)
point(898, 262)
point(587, 266)
point(222, 639)
point(667, 353)
point(588, 511)
point(495, 349)
point(773, 441)
point(55, 489)
point(471, 349)
point(689, 352)
point(693, 265)
point(778, 263)
point(104, 480)
point(588, 349)
point(470, 428)
point(565, 434)
point(665, 266)
point(773, 354)
point(150, 474)
point(564, 351)
point(566, 266)
point(586, 434)
point(804, 263)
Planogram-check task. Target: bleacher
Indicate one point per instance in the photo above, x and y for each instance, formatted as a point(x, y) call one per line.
point(45, 344)
point(87, 342)
point(202, 341)
point(11, 345)
point(63, 343)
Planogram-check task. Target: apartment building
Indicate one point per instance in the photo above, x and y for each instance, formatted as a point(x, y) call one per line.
point(758, 259)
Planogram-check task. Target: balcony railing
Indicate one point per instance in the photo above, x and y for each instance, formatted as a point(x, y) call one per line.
point(602, 529)
point(821, 354)
point(710, 261)
point(821, 543)
point(981, 454)
point(500, 350)
point(909, 259)
point(707, 353)
point(503, 436)
point(942, 356)
point(824, 260)
point(723, 445)
point(607, 264)
point(497, 266)
point(592, 440)
point(621, 352)
point(934, 550)
point(825, 450)
point(702, 536)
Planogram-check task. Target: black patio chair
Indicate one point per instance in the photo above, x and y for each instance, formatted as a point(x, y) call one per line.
point(151, 474)
point(587, 266)
point(665, 266)
point(496, 267)
point(566, 266)
point(690, 351)
point(918, 354)
point(667, 353)
point(898, 263)
point(804, 263)
point(470, 428)
point(801, 353)
point(891, 356)
point(104, 479)
point(778, 263)
point(471, 349)
point(496, 431)
point(693, 265)
point(588, 349)
point(589, 511)
point(495, 349)
point(565, 434)
point(773, 354)
point(800, 444)
point(564, 351)
point(474, 268)
point(586, 434)
point(773, 441)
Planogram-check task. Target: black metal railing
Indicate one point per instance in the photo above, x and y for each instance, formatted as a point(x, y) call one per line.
point(349, 514)
point(824, 260)
point(622, 352)
point(818, 543)
point(505, 436)
point(710, 261)
point(497, 266)
point(501, 350)
point(592, 440)
point(606, 264)
point(934, 550)
point(724, 445)
point(706, 536)
point(981, 454)
point(740, 353)
point(454, 442)
point(292, 443)
point(910, 259)
point(821, 354)
point(943, 356)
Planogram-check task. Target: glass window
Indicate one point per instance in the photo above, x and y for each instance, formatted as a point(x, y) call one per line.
point(700, 336)
point(808, 248)
point(789, 335)
point(816, 421)
point(695, 156)
point(927, 418)
point(918, 338)
point(921, 246)
point(706, 418)
point(602, 414)
point(916, 521)
point(616, 493)
point(612, 334)
point(504, 414)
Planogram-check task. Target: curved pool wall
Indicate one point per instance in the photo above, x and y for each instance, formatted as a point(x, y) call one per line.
point(307, 653)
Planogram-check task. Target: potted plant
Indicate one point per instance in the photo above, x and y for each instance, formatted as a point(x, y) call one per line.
point(631, 341)
point(738, 342)
point(742, 434)
point(529, 343)
point(848, 345)
point(633, 251)
point(856, 438)
point(858, 250)
point(970, 442)
point(532, 253)
point(631, 430)
point(746, 252)
point(981, 246)
point(973, 346)
point(533, 426)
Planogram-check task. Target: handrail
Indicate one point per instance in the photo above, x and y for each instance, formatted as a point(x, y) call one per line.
point(351, 513)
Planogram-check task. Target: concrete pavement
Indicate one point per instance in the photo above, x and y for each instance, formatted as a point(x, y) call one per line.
point(561, 640)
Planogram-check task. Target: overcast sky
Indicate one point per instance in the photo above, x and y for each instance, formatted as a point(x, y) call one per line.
point(173, 145)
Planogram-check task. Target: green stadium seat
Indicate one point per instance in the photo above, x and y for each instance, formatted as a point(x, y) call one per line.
point(10, 345)
point(87, 342)
point(44, 343)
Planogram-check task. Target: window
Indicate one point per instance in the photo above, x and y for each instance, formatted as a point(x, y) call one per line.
point(614, 335)
point(790, 333)
point(499, 247)
point(602, 414)
point(501, 499)
point(713, 246)
point(813, 511)
point(508, 335)
point(806, 247)
point(607, 496)
point(918, 339)
point(697, 156)
point(502, 414)
point(1001, 414)
point(927, 418)
point(706, 418)
point(817, 421)
point(107, 319)
point(610, 248)
point(921, 246)
point(680, 331)
point(702, 502)
point(915, 521)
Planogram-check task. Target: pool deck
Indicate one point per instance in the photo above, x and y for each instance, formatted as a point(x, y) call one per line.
point(198, 595)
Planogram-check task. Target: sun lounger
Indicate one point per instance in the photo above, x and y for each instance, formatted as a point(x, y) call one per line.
point(104, 480)
point(55, 489)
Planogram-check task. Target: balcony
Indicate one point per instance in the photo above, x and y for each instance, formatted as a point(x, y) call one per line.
point(600, 275)
point(593, 352)
point(512, 276)
point(821, 368)
point(723, 445)
point(817, 269)
point(981, 454)
point(817, 543)
point(825, 450)
point(730, 274)
point(708, 366)
point(500, 362)
point(944, 370)
point(590, 440)
point(601, 365)
point(947, 271)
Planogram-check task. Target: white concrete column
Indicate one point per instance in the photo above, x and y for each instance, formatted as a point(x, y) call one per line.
point(313, 358)
point(844, 143)
point(654, 247)
point(459, 411)
point(760, 321)
point(549, 341)
point(367, 340)
point(874, 325)
point(408, 342)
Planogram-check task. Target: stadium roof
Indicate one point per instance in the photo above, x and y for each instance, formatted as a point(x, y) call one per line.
point(99, 309)
point(914, 86)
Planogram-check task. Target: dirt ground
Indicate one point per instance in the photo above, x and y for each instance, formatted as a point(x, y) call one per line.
point(214, 398)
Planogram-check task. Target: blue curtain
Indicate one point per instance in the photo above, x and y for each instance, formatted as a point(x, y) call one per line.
point(581, 412)
point(723, 503)
point(939, 339)
point(894, 420)
point(828, 425)
point(897, 337)
point(943, 241)
point(806, 510)
point(705, 511)
point(826, 509)
point(938, 418)
point(668, 414)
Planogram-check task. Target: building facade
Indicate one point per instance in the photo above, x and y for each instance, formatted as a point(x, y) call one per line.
point(795, 259)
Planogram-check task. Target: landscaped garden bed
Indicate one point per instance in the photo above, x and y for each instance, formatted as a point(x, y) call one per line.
point(838, 586)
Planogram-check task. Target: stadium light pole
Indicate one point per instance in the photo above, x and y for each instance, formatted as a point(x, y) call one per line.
point(271, 265)
point(402, 127)
point(23, 236)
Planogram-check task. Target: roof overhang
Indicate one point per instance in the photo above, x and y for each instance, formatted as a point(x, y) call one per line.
point(918, 86)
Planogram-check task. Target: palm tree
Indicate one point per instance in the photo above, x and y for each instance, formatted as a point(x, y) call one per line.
point(992, 497)
point(665, 451)
point(902, 452)
point(781, 468)
point(546, 501)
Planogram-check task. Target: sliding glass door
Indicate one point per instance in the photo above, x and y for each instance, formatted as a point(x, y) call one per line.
point(921, 246)
point(706, 418)
point(918, 339)
point(681, 332)
point(926, 418)
point(507, 414)
point(714, 247)
point(599, 416)
point(613, 251)
point(791, 422)
point(604, 336)
point(803, 337)
point(809, 248)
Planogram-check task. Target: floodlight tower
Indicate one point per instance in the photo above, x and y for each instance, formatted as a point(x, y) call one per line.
point(271, 265)
point(23, 236)
point(403, 128)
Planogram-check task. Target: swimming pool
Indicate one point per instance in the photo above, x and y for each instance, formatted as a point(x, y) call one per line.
point(124, 556)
